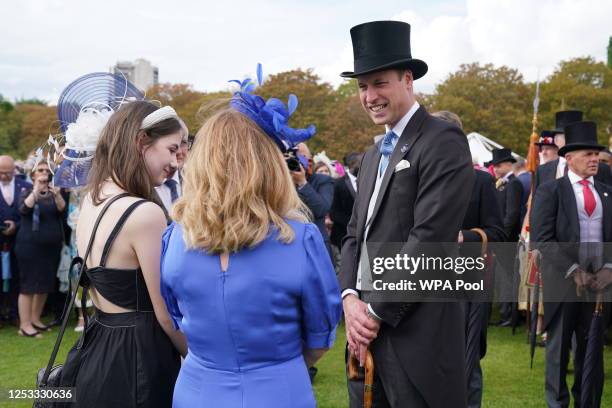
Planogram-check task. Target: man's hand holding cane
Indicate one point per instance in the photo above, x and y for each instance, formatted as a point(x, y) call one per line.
point(361, 329)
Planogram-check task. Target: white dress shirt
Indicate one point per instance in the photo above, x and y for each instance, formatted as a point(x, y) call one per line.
point(163, 191)
point(353, 180)
point(561, 167)
point(398, 129)
point(8, 191)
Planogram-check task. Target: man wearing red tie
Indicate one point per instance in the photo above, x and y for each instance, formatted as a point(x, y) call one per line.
point(573, 214)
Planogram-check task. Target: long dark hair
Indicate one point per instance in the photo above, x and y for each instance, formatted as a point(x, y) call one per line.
point(118, 153)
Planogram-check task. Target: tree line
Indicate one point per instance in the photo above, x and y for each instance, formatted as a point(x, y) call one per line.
point(494, 101)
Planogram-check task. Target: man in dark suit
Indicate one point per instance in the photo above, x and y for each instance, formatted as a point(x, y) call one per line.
point(509, 196)
point(510, 192)
point(555, 169)
point(345, 190)
point(569, 217)
point(10, 190)
point(483, 214)
point(414, 186)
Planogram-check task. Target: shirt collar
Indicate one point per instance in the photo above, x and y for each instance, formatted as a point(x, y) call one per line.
point(507, 176)
point(10, 184)
point(574, 178)
point(399, 127)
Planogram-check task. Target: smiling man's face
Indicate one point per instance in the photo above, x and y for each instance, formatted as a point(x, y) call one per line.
point(386, 95)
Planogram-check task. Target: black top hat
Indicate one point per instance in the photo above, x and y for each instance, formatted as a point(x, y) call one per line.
point(564, 118)
point(380, 45)
point(547, 138)
point(580, 136)
point(502, 155)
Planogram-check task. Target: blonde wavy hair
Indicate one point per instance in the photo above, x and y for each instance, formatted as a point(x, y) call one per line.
point(236, 187)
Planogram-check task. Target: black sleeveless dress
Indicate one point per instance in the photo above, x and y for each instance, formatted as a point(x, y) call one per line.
point(122, 359)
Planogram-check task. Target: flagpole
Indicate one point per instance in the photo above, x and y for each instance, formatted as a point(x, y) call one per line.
point(533, 160)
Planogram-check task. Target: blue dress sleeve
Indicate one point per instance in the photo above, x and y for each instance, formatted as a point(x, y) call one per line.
point(166, 289)
point(321, 301)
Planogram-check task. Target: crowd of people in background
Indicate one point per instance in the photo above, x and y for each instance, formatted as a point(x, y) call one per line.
point(38, 219)
point(38, 222)
point(409, 187)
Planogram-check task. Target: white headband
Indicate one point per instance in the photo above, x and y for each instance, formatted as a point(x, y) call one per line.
point(157, 116)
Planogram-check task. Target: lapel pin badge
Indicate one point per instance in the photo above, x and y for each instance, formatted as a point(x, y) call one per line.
point(404, 148)
point(605, 194)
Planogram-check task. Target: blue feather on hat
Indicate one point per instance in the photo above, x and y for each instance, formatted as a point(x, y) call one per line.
point(271, 115)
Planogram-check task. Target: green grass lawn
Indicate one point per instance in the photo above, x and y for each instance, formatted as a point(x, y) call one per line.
point(508, 380)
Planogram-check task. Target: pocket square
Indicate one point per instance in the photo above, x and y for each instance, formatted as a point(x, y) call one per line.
point(403, 164)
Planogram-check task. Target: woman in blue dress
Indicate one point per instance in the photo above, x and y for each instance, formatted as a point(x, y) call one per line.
point(245, 277)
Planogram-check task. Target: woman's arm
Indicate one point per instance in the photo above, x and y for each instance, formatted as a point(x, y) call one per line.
point(60, 203)
point(311, 356)
point(30, 197)
point(147, 226)
point(28, 200)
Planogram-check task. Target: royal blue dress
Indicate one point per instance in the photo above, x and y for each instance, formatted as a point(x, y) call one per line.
point(247, 327)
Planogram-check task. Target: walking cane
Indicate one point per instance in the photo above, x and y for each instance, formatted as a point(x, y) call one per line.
point(368, 380)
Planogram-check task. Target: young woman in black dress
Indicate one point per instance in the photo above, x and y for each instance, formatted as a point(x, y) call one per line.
point(130, 353)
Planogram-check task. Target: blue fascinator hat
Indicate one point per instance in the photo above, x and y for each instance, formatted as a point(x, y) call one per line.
point(83, 109)
point(272, 116)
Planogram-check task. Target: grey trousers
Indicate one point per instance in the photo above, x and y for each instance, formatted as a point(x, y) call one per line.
point(392, 388)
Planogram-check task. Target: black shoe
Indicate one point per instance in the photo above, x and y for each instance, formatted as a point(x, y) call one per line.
point(30, 335)
point(504, 323)
point(312, 372)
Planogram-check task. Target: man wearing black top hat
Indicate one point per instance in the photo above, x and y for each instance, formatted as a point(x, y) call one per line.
point(555, 169)
point(509, 197)
point(509, 190)
point(576, 209)
point(414, 186)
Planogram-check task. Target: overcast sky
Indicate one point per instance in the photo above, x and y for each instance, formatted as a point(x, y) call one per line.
point(45, 44)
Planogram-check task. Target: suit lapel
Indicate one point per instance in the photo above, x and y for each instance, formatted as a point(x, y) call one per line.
point(367, 175)
point(3, 201)
point(410, 135)
point(552, 171)
point(349, 185)
point(16, 194)
point(606, 204)
point(569, 204)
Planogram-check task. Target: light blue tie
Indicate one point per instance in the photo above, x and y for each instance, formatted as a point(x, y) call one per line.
point(386, 148)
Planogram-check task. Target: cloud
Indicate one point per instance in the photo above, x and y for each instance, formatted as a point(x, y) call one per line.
point(527, 35)
point(45, 44)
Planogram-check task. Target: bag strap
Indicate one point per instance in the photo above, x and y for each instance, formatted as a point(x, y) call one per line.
point(66, 314)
